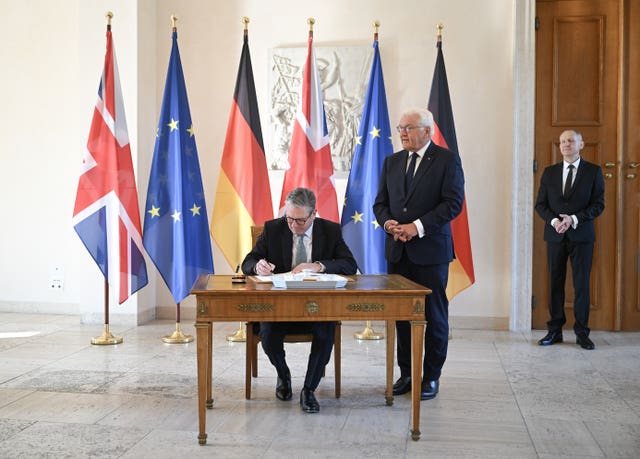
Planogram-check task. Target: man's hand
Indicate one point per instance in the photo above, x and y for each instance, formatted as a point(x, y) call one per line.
point(563, 225)
point(405, 232)
point(264, 268)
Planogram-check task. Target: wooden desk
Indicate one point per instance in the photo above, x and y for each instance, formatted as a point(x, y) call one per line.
point(370, 297)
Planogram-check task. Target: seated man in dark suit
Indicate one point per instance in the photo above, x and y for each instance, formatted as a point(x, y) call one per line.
point(295, 242)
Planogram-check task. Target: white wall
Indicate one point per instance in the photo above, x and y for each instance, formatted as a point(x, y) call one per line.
point(54, 59)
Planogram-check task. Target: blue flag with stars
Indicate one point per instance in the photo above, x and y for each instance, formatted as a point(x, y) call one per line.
point(176, 228)
point(362, 233)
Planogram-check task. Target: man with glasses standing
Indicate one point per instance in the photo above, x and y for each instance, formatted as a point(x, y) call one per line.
point(421, 190)
point(295, 242)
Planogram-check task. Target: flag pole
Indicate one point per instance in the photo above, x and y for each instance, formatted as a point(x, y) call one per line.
point(368, 332)
point(177, 337)
point(106, 338)
point(240, 336)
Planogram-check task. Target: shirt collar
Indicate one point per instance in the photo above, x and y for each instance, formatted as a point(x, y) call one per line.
point(575, 164)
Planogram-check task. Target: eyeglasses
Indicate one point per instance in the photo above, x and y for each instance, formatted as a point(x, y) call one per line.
point(407, 128)
point(299, 221)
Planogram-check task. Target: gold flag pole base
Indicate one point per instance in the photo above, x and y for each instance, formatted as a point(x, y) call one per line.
point(177, 337)
point(106, 338)
point(368, 333)
point(239, 336)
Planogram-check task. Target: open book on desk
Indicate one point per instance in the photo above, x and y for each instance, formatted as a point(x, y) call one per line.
point(304, 280)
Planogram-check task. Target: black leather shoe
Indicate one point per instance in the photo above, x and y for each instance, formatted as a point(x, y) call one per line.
point(283, 388)
point(584, 342)
point(308, 402)
point(552, 337)
point(402, 385)
point(429, 389)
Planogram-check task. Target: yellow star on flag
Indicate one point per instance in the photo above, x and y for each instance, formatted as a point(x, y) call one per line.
point(176, 216)
point(358, 140)
point(375, 132)
point(155, 211)
point(356, 217)
point(195, 210)
point(173, 125)
point(191, 131)
point(375, 224)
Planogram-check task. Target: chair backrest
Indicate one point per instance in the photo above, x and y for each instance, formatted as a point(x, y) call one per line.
point(256, 231)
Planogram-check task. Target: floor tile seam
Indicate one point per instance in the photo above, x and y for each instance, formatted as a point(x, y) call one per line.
point(515, 398)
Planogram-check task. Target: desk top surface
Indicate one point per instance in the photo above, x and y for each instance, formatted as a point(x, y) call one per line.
point(383, 284)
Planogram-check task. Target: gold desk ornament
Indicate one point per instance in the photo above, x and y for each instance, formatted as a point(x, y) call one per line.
point(106, 338)
point(255, 307)
point(177, 337)
point(418, 307)
point(312, 307)
point(366, 307)
point(202, 308)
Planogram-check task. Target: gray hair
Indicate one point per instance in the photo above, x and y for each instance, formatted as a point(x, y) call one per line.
point(301, 197)
point(426, 117)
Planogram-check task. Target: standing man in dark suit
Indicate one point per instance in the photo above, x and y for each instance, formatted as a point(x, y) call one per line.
point(421, 191)
point(570, 197)
point(299, 241)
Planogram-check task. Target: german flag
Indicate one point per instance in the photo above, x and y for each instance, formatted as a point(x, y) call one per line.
point(461, 274)
point(243, 195)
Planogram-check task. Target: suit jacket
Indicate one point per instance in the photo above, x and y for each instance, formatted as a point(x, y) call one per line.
point(585, 201)
point(275, 244)
point(435, 197)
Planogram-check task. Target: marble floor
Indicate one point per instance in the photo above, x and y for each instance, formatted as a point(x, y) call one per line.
point(501, 395)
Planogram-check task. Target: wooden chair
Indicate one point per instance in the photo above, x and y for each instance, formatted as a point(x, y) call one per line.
point(253, 339)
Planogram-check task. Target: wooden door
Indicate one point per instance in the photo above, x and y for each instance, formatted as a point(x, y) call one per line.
point(578, 83)
point(629, 317)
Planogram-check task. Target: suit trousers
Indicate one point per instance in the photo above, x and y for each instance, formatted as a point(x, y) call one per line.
point(581, 256)
point(436, 311)
point(272, 337)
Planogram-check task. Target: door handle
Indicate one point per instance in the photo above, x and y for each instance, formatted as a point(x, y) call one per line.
point(609, 165)
point(631, 176)
point(608, 176)
point(633, 165)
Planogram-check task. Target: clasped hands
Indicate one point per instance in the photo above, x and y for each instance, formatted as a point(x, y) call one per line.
point(401, 232)
point(563, 225)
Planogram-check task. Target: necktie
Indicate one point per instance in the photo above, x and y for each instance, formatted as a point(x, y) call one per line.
point(567, 183)
point(408, 178)
point(301, 252)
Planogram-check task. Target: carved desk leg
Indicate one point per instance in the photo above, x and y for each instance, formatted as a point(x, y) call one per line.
point(417, 345)
point(391, 342)
point(202, 330)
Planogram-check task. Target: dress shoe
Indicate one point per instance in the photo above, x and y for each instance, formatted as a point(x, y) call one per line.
point(550, 338)
point(308, 402)
point(402, 385)
point(429, 389)
point(283, 388)
point(584, 342)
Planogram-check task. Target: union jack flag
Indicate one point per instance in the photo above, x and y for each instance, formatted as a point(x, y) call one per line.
point(310, 164)
point(106, 215)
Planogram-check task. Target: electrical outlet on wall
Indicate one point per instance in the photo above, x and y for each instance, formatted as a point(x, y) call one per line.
point(56, 278)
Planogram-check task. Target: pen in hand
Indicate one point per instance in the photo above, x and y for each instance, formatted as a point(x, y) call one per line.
point(264, 268)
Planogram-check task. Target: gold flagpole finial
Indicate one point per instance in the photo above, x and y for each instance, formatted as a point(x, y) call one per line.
point(311, 21)
point(109, 16)
point(376, 26)
point(245, 21)
point(174, 19)
point(440, 26)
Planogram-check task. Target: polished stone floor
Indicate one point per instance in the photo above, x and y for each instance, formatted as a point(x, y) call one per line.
point(501, 395)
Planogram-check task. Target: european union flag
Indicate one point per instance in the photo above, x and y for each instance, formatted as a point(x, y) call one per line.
point(362, 233)
point(176, 230)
